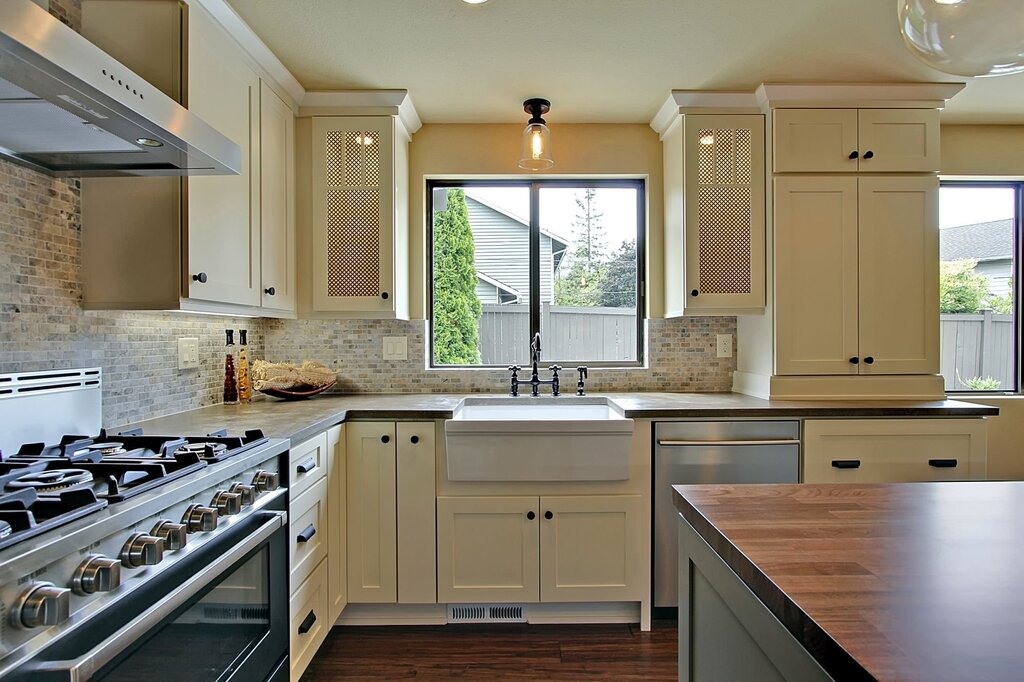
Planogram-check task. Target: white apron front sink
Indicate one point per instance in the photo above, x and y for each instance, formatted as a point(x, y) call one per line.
point(538, 439)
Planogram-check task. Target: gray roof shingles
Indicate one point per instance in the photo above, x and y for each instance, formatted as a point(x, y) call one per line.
point(979, 241)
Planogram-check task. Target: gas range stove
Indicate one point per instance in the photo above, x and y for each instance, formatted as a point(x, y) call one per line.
point(43, 486)
point(92, 529)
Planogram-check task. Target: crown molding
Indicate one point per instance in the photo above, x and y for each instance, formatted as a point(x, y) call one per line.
point(362, 103)
point(860, 95)
point(702, 102)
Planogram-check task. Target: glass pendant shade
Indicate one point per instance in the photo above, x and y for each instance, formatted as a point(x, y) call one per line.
point(536, 148)
point(965, 37)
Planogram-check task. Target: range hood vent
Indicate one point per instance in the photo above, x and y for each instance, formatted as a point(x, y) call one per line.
point(67, 108)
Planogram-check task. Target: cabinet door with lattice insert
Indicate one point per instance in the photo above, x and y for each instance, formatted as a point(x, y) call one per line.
point(353, 214)
point(724, 196)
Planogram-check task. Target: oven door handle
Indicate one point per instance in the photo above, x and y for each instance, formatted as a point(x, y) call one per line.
point(87, 665)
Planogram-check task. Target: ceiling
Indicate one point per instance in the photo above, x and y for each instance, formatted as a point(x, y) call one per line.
point(598, 60)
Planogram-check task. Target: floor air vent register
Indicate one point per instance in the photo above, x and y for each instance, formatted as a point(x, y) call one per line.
point(487, 613)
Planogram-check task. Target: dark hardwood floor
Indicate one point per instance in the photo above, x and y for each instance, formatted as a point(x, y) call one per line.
point(497, 653)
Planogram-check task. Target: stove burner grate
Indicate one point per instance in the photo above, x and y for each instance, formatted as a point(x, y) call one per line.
point(51, 480)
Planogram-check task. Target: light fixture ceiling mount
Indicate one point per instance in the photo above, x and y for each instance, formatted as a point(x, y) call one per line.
point(536, 143)
point(965, 37)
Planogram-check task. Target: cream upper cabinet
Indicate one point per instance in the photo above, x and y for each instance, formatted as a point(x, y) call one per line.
point(899, 275)
point(390, 508)
point(715, 214)
point(856, 275)
point(223, 212)
point(855, 140)
point(893, 450)
point(540, 549)
point(360, 220)
point(277, 202)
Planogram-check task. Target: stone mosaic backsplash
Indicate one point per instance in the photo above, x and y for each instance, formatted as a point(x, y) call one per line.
point(681, 357)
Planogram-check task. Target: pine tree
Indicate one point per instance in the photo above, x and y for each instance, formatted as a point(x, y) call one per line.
point(457, 309)
point(581, 285)
point(619, 284)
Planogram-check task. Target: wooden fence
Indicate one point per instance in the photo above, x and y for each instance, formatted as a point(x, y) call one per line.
point(570, 334)
point(978, 345)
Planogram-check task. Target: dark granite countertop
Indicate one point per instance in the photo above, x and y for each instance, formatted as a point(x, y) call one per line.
point(904, 581)
point(302, 419)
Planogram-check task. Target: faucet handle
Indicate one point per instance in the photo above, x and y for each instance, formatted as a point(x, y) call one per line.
point(555, 369)
point(515, 369)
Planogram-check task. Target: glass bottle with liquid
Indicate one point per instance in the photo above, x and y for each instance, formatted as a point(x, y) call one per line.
point(244, 383)
point(230, 384)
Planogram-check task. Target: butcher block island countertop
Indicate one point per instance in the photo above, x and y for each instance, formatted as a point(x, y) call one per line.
point(912, 581)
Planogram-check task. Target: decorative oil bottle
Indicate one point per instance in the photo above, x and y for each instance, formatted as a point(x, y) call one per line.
point(244, 385)
point(230, 386)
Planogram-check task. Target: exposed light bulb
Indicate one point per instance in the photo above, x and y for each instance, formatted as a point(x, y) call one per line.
point(537, 144)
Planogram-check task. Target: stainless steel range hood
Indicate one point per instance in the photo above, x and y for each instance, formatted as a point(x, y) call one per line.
point(68, 108)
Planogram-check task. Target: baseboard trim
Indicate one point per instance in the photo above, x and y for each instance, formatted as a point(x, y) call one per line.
point(437, 614)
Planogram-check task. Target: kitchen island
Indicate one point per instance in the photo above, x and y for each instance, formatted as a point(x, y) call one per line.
point(912, 581)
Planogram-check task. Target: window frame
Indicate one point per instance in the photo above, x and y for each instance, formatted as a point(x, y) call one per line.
point(1017, 185)
point(534, 185)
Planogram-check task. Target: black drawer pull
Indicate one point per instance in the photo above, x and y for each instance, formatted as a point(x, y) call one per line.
point(846, 464)
point(942, 463)
point(307, 623)
point(307, 534)
point(306, 467)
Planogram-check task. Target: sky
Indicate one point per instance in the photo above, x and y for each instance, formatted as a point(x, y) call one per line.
point(558, 209)
point(969, 205)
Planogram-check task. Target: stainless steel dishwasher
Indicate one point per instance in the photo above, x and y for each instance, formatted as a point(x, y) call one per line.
point(712, 452)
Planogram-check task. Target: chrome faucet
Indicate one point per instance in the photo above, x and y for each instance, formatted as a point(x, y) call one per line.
point(535, 381)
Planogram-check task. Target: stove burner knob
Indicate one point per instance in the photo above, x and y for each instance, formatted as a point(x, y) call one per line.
point(41, 604)
point(142, 550)
point(265, 481)
point(200, 519)
point(173, 534)
point(227, 504)
point(96, 574)
point(248, 493)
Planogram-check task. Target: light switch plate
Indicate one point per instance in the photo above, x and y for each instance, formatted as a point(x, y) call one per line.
point(188, 352)
point(396, 348)
point(725, 345)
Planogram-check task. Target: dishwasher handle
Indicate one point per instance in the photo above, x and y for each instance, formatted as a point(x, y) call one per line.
point(677, 443)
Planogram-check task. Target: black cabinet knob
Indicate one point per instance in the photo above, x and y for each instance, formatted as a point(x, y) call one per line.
point(201, 278)
point(530, 515)
point(869, 154)
point(694, 293)
point(384, 295)
point(548, 515)
point(854, 361)
point(270, 291)
point(854, 154)
point(385, 439)
point(414, 440)
point(869, 360)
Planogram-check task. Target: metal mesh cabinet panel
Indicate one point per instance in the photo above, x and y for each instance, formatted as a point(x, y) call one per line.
point(724, 217)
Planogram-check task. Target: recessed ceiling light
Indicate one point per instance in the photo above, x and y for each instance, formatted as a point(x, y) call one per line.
point(149, 142)
point(474, 2)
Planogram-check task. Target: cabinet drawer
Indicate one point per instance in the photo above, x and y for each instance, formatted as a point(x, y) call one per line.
point(307, 531)
point(307, 463)
point(893, 450)
point(308, 620)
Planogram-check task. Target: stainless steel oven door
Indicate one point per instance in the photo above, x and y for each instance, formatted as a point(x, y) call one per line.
point(221, 615)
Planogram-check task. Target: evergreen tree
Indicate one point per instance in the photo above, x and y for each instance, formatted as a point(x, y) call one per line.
point(619, 283)
point(581, 285)
point(457, 309)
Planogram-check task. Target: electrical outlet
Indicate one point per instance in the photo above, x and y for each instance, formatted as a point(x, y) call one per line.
point(725, 345)
point(188, 352)
point(396, 348)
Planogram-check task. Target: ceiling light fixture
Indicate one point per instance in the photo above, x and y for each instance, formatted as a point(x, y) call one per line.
point(536, 147)
point(474, 2)
point(965, 37)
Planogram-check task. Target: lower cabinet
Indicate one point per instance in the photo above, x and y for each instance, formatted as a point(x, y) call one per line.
point(390, 513)
point(547, 549)
point(894, 450)
point(314, 551)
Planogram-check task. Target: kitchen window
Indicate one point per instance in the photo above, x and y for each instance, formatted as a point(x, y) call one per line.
point(512, 258)
point(979, 285)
